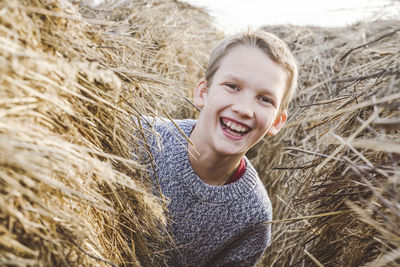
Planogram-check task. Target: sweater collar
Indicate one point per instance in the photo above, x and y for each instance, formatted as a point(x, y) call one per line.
point(191, 182)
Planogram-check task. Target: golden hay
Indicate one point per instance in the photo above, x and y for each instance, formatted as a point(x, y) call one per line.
point(335, 187)
point(71, 194)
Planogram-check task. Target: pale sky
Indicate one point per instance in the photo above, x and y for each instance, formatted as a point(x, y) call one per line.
point(234, 15)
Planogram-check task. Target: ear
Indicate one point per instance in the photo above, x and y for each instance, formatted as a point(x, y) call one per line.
point(200, 92)
point(278, 123)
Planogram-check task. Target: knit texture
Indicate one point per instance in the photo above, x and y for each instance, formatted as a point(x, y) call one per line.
point(212, 225)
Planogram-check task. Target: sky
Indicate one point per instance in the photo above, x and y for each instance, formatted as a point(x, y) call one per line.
point(235, 15)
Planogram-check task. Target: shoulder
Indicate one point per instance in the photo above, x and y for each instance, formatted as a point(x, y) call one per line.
point(160, 133)
point(147, 122)
point(164, 125)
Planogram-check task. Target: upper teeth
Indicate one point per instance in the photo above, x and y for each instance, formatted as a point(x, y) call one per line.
point(235, 126)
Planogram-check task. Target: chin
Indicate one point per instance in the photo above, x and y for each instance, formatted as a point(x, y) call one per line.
point(226, 151)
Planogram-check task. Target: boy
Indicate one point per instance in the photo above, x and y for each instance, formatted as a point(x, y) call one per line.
point(217, 204)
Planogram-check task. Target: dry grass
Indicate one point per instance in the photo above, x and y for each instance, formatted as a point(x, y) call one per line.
point(335, 186)
point(71, 193)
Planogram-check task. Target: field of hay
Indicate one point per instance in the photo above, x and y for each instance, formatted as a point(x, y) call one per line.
point(72, 193)
point(335, 186)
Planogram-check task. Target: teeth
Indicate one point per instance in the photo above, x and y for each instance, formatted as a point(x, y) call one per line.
point(234, 126)
point(232, 132)
point(237, 127)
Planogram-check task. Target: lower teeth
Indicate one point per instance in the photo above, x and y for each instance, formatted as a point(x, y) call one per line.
point(233, 133)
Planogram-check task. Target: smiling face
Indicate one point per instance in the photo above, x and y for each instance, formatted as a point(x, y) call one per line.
point(241, 104)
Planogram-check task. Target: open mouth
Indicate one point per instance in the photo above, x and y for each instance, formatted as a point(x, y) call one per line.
point(234, 128)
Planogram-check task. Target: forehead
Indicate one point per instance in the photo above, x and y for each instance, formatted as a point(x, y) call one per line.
point(253, 65)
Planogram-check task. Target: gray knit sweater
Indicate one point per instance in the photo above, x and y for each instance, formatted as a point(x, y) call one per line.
point(212, 225)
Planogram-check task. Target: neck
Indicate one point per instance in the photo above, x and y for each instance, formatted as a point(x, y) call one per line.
point(212, 168)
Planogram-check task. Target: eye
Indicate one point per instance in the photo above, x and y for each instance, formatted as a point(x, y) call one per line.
point(232, 86)
point(266, 99)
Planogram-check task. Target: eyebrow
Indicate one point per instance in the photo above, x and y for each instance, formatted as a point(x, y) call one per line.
point(233, 77)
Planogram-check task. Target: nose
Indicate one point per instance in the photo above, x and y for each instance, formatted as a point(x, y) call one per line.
point(243, 107)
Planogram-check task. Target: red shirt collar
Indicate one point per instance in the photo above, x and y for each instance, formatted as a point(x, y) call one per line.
point(238, 173)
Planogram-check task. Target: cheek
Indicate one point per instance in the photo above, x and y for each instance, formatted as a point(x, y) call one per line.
point(265, 119)
point(218, 100)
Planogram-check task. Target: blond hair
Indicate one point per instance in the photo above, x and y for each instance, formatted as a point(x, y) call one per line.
point(271, 45)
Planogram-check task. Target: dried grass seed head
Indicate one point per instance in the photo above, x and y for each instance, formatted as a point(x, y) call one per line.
point(271, 45)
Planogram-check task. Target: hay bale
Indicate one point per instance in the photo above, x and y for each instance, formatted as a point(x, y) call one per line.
point(335, 185)
point(71, 193)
